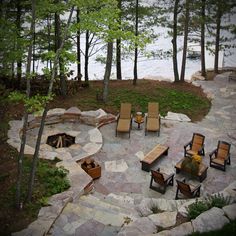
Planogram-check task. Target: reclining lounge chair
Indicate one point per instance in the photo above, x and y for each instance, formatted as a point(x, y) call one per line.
point(153, 120)
point(124, 121)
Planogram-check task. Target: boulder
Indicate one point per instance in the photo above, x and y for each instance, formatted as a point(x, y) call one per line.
point(210, 220)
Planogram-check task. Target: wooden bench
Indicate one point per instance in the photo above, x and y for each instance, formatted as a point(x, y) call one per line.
point(153, 155)
point(201, 175)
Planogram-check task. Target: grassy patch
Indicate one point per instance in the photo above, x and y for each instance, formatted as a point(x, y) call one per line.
point(176, 97)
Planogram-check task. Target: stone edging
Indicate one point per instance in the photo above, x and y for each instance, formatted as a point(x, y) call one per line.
point(47, 215)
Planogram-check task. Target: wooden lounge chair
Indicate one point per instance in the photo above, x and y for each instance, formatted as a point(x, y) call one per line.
point(220, 156)
point(162, 179)
point(187, 190)
point(195, 146)
point(124, 121)
point(153, 120)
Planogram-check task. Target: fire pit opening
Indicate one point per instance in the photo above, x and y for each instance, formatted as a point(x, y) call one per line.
point(60, 140)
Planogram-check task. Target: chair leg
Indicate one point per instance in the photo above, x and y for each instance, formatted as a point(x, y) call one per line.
point(176, 195)
point(150, 186)
point(229, 161)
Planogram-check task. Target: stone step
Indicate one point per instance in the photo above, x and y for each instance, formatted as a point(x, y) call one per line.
point(111, 203)
point(90, 211)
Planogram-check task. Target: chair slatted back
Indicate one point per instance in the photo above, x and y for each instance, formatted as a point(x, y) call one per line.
point(184, 188)
point(223, 150)
point(158, 177)
point(125, 111)
point(153, 109)
point(197, 142)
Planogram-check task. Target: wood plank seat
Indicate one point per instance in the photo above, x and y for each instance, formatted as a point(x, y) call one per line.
point(153, 156)
point(202, 172)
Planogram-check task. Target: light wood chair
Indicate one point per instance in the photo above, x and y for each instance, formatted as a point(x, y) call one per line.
point(153, 120)
point(220, 156)
point(124, 120)
point(195, 146)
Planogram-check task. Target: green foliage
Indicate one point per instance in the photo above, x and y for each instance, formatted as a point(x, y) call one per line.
point(196, 209)
point(54, 179)
point(217, 200)
point(33, 104)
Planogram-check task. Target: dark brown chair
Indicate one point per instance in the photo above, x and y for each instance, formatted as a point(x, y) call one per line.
point(153, 120)
point(187, 190)
point(124, 121)
point(161, 179)
point(195, 146)
point(220, 156)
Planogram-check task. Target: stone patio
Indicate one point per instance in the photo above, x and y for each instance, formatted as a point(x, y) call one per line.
point(120, 201)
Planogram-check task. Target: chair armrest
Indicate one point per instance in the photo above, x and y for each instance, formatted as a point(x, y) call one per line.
point(171, 176)
point(212, 153)
point(187, 144)
point(197, 188)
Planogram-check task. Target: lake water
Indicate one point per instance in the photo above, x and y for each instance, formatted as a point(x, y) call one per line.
point(152, 67)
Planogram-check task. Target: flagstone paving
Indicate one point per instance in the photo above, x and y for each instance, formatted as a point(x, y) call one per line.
point(121, 195)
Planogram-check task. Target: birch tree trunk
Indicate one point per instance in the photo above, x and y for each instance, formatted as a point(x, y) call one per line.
point(107, 71)
point(36, 153)
point(25, 117)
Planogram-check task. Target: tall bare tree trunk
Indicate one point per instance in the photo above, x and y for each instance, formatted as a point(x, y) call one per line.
point(136, 45)
point(186, 22)
point(25, 117)
point(174, 41)
point(63, 85)
point(118, 49)
point(107, 71)
point(203, 19)
point(18, 25)
point(36, 153)
point(217, 38)
point(86, 57)
point(79, 75)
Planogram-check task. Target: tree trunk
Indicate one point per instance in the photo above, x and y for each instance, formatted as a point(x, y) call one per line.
point(118, 49)
point(25, 117)
point(53, 76)
point(63, 86)
point(18, 26)
point(107, 70)
point(49, 40)
point(174, 41)
point(182, 75)
point(86, 57)
point(79, 75)
point(217, 38)
point(203, 19)
point(136, 45)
